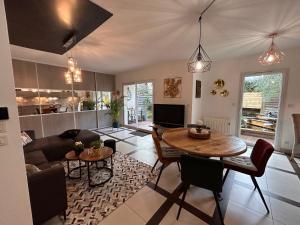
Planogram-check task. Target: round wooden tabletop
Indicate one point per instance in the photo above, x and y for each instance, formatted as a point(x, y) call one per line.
point(104, 153)
point(71, 155)
point(217, 145)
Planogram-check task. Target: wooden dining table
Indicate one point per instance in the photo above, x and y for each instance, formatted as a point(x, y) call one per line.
point(218, 145)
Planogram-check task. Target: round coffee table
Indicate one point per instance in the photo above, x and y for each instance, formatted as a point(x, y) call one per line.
point(71, 156)
point(90, 159)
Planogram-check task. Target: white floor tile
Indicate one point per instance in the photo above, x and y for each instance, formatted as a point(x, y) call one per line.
point(145, 203)
point(123, 215)
point(124, 147)
point(238, 215)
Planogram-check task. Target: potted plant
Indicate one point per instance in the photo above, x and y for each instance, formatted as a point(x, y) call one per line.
point(115, 108)
point(79, 147)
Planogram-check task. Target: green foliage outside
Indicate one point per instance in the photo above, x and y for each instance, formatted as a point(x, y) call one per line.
point(268, 85)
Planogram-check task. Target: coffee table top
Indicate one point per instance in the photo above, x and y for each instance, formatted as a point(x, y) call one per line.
point(105, 153)
point(71, 155)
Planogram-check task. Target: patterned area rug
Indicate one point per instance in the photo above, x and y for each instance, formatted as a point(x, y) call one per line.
point(89, 206)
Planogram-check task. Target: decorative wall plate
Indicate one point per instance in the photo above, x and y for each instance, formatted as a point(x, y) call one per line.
point(213, 92)
point(219, 83)
point(224, 93)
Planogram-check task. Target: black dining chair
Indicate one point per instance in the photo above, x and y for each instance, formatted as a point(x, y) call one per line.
point(201, 172)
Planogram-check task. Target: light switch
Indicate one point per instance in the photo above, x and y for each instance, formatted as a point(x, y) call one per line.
point(3, 140)
point(2, 127)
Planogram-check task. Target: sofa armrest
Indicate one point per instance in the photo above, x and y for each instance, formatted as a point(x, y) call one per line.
point(48, 195)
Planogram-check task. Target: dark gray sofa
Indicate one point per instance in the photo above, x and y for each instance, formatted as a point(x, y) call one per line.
point(47, 188)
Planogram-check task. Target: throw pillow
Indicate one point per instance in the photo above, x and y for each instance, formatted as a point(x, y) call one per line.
point(25, 138)
point(31, 169)
point(70, 133)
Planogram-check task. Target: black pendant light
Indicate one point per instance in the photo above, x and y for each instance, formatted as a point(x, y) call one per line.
point(200, 61)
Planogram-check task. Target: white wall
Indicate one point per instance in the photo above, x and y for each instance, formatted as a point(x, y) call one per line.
point(157, 73)
point(230, 71)
point(14, 198)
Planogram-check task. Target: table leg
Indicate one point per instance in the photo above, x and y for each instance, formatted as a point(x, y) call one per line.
point(68, 168)
point(88, 170)
point(79, 168)
point(112, 165)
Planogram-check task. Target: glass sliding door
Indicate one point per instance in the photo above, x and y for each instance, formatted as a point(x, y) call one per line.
point(138, 104)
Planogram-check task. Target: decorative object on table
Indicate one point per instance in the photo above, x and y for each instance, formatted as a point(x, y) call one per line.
point(200, 133)
point(213, 92)
point(200, 61)
point(198, 89)
point(224, 93)
point(273, 55)
point(79, 147)
point(172, 87)
point(96, 144)
point(115, 107)
point(219, 83)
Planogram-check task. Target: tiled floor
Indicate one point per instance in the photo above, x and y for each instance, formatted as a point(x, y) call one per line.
point(241, 205)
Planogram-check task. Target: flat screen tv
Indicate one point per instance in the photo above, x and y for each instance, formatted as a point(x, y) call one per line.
point(168, 115)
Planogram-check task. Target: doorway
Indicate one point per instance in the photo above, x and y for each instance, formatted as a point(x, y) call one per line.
point(261, 107)
point(138, 105)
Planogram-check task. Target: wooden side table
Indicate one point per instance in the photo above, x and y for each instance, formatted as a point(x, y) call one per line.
point(71, 156)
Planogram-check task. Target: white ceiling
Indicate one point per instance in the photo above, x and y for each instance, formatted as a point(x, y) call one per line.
point(143, 32)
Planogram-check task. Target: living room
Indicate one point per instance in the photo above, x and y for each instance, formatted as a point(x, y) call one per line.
point(132, 97)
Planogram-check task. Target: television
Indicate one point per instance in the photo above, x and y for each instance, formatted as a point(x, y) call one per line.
point(168, 115)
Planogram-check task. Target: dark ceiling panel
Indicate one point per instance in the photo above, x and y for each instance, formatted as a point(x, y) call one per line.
point(47, 24)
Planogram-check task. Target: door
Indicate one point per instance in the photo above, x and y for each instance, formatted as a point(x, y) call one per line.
point(138, 105)
point(260, 107)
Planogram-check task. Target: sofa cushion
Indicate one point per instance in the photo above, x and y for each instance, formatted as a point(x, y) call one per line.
point(70, 134)
point(31, 169)
point(25, 138)
point(37, 158)
point(53, 147)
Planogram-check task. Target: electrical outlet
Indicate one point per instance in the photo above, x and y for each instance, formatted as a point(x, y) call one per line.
point(3, 140)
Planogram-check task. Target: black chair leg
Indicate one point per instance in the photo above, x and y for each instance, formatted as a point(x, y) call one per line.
point(259, 191)
point(154, 165)
point(226, 174)
point(218, 207)
point(182, 201)
point(161, 169)
point(178, 164)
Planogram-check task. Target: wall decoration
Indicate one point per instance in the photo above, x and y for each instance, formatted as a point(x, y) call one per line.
point(198, 89)
point(172, 87)
point(213, 92)
point(219, 83)
point(224, 93)
point(218, 88)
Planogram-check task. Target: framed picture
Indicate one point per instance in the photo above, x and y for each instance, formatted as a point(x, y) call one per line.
point(198, 89)
point(172, 87)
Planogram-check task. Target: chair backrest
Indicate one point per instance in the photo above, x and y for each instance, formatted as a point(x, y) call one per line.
point(157, 145)
point(202, 172)
point(260, 155)
point(296, 121)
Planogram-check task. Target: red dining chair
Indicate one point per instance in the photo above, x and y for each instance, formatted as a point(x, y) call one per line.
point(254, 166)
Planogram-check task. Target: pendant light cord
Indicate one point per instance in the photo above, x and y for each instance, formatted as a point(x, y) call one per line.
point(202, 13)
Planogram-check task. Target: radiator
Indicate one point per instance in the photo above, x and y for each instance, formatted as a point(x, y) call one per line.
point(220, 125)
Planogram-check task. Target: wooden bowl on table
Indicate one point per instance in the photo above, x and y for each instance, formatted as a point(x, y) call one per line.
point(199, 133)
